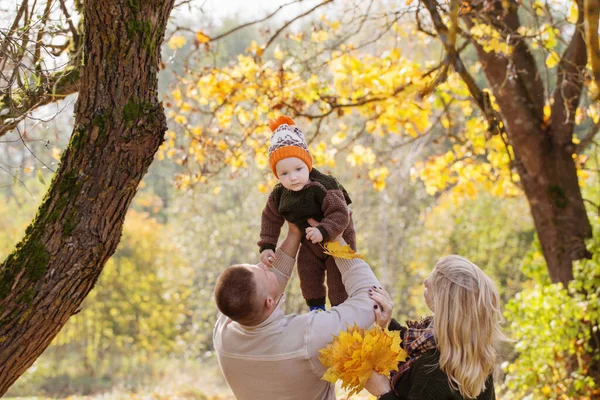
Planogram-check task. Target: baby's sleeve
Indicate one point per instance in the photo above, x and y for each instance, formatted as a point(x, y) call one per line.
point(336, 215)
point(271, 223)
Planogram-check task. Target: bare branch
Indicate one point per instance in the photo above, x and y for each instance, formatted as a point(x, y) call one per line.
point(72, 28)
point(8, 36)
point(258, 21)
point(14, 109)
point(40, 34)
point(288, 23)
point(569, 84)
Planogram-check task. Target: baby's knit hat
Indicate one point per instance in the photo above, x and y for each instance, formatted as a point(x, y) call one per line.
point(287, 141)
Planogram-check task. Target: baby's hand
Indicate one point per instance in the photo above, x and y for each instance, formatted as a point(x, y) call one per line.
point(267, 257)
point(314, 234)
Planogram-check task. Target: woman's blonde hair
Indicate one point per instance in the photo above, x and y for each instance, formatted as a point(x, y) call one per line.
point(466, 323)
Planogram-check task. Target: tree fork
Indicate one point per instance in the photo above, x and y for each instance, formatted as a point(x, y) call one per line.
point(543, 151)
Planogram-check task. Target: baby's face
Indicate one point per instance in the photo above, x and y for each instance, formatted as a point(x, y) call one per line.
point(292, 173)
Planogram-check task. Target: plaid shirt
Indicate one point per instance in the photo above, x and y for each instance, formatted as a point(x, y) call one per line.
point(417, 339)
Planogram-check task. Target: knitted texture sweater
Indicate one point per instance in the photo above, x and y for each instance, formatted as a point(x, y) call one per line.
point(426, 381)
point(323, 198)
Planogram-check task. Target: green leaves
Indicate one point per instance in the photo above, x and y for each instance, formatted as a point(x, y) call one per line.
point(553, 326)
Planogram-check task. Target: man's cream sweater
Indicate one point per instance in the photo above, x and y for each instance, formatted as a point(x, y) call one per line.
point(278, 359)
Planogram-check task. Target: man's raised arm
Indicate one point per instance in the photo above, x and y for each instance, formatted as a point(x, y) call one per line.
point(285, 257)
point(358, 278)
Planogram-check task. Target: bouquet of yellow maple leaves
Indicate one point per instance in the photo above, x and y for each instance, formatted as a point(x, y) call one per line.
point(353, 355)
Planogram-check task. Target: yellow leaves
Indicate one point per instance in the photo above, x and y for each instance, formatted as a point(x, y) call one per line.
point(593, 113)
point(546, 391)
point(202, 38)
point(490, 39)
point(552, 60)
point(360, 155)
point(335, 249)
point(56, 153)
point(176, 42)
point(378, 177)
point(547, 112)
point(180, 119)
point(222, 145)
point(263, 188)
point(177, 96)
point(261, 158)
point(538, 7)
point(322, 155)
point(196, 131)
point(297, 37)
point(334, 25)
point(278, 54)
point(354, 354)
point(255, 49)
point(319, 36)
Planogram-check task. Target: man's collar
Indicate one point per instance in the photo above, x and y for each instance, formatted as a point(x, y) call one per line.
point(276, 315)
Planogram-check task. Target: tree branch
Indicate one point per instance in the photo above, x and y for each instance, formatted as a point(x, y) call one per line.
point(569, 83)
point(14, 109)
point(258, 21)
point(288, 23)
point(588, 139)
point(448, 40)
point(592, 15)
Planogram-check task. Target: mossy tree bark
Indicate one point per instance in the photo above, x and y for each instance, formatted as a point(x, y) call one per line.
point(119, 126)
point(543, 147)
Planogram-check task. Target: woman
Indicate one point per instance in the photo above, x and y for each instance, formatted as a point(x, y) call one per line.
point(452, 354)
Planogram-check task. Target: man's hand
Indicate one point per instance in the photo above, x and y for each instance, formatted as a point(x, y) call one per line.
point(314, 235)
point(267, 257)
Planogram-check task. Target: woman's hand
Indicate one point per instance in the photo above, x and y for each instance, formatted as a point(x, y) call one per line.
point(384, 306)
point(378, 384)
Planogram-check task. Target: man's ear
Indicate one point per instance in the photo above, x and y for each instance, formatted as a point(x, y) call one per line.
point(269, 302)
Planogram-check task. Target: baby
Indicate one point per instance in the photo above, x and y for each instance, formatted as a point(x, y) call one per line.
point(303, 193)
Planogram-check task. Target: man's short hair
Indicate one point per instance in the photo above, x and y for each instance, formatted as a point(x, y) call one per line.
point(236, 294)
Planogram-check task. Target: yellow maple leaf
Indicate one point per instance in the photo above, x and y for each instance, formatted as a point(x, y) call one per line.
point(202, 38)
point(176, 42)
point(335, 249)
point(354, 354)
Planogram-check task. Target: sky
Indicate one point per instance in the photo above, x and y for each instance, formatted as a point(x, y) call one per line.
point(222, 8)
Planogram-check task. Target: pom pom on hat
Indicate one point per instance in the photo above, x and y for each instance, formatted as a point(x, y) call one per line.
point(277, 122)
point(287, 141)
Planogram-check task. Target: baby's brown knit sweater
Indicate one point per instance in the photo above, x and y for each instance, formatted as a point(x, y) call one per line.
point(323, 199)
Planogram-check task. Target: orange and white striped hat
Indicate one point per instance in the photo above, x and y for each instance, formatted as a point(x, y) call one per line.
point(287, 141)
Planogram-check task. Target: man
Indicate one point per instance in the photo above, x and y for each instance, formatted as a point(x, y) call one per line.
point(265, 354)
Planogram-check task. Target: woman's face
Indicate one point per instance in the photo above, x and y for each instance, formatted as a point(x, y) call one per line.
point(428, 293)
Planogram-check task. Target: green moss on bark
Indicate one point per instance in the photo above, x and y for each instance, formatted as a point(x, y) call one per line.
point(133, 110)
point(70, 223)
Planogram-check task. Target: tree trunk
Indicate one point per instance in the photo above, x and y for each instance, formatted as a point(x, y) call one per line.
point(543, 148)
point(119, 126)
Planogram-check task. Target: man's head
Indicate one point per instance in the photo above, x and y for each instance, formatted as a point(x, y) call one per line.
point(247, 293)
